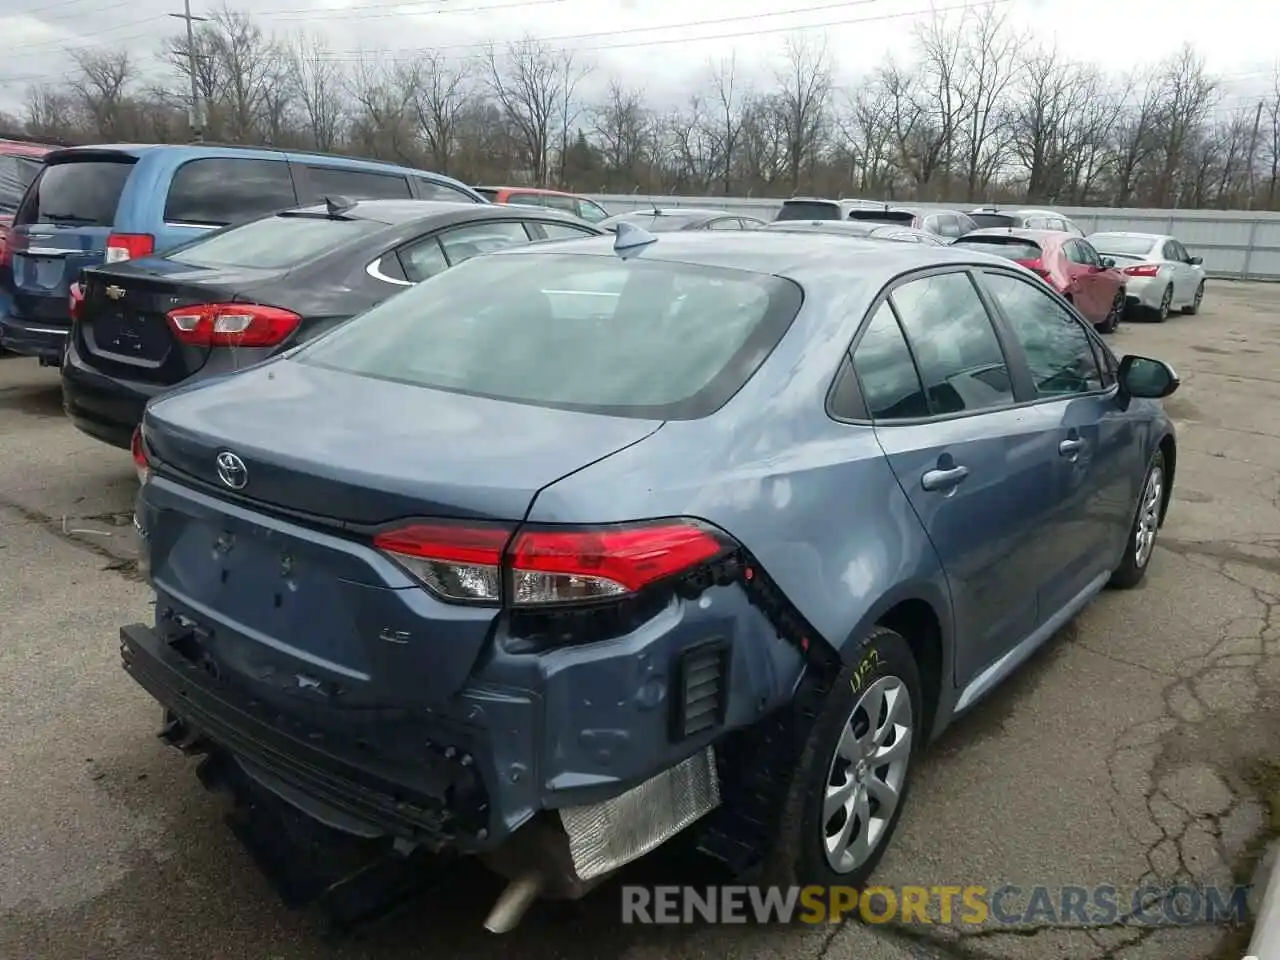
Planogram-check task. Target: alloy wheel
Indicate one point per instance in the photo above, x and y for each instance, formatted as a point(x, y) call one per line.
point(867, 774)
point(1165, 302)
point(1199, 295)
point(1148, 517)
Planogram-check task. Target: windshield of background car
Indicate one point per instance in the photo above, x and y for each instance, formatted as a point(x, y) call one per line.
point(1011, 247)
point(1125, 246)
point(273, 243)
point(661, 223)
point(808, 210)
point(641, 338)
point(16, 174)
point(993, 220)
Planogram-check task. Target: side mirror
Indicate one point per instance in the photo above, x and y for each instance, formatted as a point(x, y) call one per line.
point(1108, 263)
point(1146, 378)
point(1195, 261)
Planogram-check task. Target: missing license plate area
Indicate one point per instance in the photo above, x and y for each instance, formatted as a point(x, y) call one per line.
point(128, 334)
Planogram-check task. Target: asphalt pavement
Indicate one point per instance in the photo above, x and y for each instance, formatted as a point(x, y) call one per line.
point(1139, 747)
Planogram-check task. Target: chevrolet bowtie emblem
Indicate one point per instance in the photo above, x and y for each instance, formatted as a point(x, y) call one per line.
point(115, 293)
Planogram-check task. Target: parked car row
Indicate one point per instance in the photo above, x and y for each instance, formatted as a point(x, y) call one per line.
point(478, 528)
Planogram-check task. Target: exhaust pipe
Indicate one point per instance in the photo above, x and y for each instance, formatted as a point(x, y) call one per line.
point(514, 901)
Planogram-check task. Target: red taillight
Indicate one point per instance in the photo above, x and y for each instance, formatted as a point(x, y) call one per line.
point(75, 296)
point(232, 325)
point(1143, 270)
point(541, 565)
point(140, 462)
point(129, 246)
point(1036, 267)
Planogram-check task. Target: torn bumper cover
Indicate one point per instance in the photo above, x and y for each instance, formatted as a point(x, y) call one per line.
point(438, 800)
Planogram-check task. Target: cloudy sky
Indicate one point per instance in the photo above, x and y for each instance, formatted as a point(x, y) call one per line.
point(660, 45)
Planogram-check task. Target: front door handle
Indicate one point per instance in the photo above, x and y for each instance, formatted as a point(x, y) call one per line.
point(943, 479)
point(1069, 448)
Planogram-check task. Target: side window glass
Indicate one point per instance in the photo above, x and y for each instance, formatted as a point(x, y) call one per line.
point(525, 199)
point(1090, 255)
point(1072, 249)
point(430, 190)
point(388, 269)
point(221, 190)
point(727, 223)
point(463, 243)
point(356, 184)
point(590, 212)
point(1060, 353)
point(562, 231)
point(948, 226)
point(955, 345)
point(1180, 251)
point(422, 259)
point(557, 202)
point(890, 384)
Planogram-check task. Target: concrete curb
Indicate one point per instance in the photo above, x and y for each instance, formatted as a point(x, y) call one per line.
point(1265, 943)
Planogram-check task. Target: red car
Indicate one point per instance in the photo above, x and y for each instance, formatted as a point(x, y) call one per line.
point(579, 206)
point(1066, 262)
point(19, 163)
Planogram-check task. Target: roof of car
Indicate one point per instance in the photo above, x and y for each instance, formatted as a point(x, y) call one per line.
point(22, 148)
point(396, 212)
point(1132, 234)
point(673, 212)
point(801, 256)
point(540, 191)
point(1037, 236)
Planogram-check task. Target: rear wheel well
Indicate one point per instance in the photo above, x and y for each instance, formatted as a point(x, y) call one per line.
point(1169, 449)
point(919, 626)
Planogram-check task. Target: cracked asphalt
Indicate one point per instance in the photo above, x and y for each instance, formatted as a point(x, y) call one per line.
point(1126, 753)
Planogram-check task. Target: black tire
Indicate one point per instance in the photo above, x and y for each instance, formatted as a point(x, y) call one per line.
point(797, 855)
point(1194, 308)
point(1162, 311)
point(1112, 320)
point(1133, 565)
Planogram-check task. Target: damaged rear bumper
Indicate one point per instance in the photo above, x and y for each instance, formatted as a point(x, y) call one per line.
point(440, 801)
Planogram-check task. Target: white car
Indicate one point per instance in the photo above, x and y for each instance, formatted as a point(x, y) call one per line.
point(1160, 275)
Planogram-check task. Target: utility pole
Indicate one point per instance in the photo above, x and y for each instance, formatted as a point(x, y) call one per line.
point(1253, 145)
point(194, 115)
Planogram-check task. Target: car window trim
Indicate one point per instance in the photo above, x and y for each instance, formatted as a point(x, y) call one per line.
point(522, 222)
point(1094, 340)
point(1019, 374)
point(374, 270)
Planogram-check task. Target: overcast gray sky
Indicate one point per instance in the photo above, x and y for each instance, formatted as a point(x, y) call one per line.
point(660, 45)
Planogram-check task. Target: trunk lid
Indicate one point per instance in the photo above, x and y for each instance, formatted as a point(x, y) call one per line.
point(123, 330)
point(301, 610)
point(355, 450)
point(61, 228)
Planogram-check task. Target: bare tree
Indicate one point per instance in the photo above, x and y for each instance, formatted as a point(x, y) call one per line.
point(317, 82)
point(730, 95)
point(572, 73)
point(943, 97)
point(442, 91)
point(50, 112)
point(1188, 94)
point(989, 63)
point(101, 89)
point(525, 81)
point(382, 95)
point(805, 89)
point(624, 126)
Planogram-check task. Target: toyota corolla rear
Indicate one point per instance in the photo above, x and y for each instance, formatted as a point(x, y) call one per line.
point(352, 606)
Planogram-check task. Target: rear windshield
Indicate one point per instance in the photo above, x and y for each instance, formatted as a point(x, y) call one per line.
point(882, 216)
point(993, 220)
point(634, 338)
point(16, 174)
point(77, 193)
point(1015, 248)
point(272, 243)
point(1125, 246)
point(808, 210)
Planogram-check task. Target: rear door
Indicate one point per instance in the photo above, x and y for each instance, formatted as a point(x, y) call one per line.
point(211, 192)
point(977, 468)
point(1098, 457)
point(1082, 280)
point(61, 228)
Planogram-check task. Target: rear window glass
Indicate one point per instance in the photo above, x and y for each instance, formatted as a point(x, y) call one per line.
point(432, 190)
point(16, 174)
point(808, 210)
point(1128, 246)
point(224, 190)
point(581, 332)
point(82, 192)
point(1014, 249)
point(993, 220)
point(273, 243)
point(883, 216)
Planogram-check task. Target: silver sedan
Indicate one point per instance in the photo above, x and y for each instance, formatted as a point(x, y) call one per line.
point(1160, 275)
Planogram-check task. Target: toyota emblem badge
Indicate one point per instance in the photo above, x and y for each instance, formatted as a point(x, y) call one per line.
point(232, 471)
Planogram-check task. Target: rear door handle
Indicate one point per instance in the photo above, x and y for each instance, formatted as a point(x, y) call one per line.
point(1069, 448)
point(943, 479)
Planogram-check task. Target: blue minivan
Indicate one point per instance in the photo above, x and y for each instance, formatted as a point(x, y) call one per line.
point(119, 201)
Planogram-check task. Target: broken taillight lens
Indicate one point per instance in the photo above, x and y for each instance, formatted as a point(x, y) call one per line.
point(473, 563)
point(138, 447)
point(232, 325)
